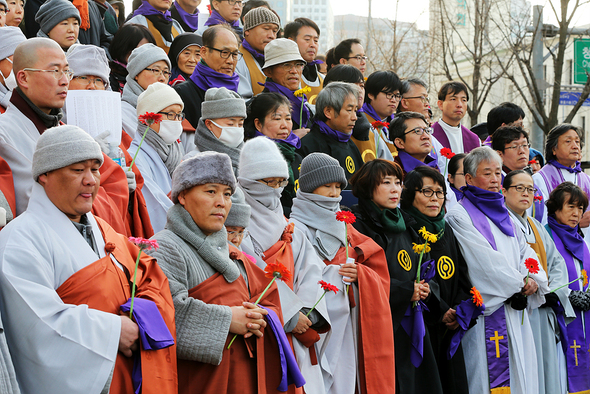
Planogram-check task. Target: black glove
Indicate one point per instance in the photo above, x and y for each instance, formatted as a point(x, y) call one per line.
point(580, 300)
point(518, 301)
point(551, 300)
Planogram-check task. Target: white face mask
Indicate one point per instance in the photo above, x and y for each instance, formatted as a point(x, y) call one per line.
point(10, 80)
point(170, 130)
point(231, 136)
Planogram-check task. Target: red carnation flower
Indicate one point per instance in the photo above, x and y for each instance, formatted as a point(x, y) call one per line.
point(532, 265)
point(346, 217)
point(538, 198)
point(328, 287)
point(277, 270)
point(446, 152)
point(144, 244)
point(378, 124)
point(150, 118)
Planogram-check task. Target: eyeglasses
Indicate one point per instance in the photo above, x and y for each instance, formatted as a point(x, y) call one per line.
point(429, 193)
point(389, 96)
point(57, 74)
point(424, 99)
point(98, 82)
point(275, 183)
point(233, 2)
point(225, 54)
point(238, 234)
point(518, 147)
point(521, 189)
point(358, 57)
point(157, 72)
point(420, 130)
point(290, 65)
point(173, 115)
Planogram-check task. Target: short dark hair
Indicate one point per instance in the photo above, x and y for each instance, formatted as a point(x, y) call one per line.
point(452, 87)
point(397, 127)
point(505, 135)
point(344, 73)
point(453, 166)
point(370, 176)
point(508, 178)
point(342, 50)
point(259, 107)
point(292, 28)
point(504, 113)
point(413, 182)
point(330, 62)
point(126, 40)
point(250, 5)
point(381, 81)
point(573, 193)
point(553, 138)
point(210, 34)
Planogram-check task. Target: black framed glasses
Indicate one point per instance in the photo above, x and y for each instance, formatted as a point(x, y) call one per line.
point(360, 58)
point(173, 115)
point(275, 183)
point(521, 189)
point(157, 72)
point(225, 54)
point(420, 130)
point(429, 193)
point(390, 96)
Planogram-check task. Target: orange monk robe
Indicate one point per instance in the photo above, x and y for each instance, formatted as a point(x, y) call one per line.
point(158, 367)
point(138, 218)
point(250, 366)
point(375, 336)
point(112, 199)
point(7, 184)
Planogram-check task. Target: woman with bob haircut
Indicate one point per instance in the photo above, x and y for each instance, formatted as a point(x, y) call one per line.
point(377, 185)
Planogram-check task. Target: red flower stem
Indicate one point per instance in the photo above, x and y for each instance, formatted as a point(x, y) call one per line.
point(257, 301)
point(133, 285)
point(138, 148)
point(312, 308)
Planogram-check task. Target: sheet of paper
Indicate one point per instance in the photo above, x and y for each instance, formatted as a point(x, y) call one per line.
point(95, 111)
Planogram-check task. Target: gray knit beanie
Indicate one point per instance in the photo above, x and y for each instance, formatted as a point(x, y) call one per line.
point(61, 146)
point(10, 37)
point(239, 214)
point(318, 169)
point(258, 16)
point(89, 60)
point(157, 97)
point(53, 12)
point(260, 158)
point(4, 3)
point(144, 56)
point(204, 167)
point(222, 103)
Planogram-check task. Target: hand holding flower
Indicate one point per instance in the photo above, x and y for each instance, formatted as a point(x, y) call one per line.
point(302, 324)
point(530, 288)
point(349, 270)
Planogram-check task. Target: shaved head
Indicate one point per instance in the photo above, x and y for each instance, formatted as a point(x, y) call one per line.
point(26, 53)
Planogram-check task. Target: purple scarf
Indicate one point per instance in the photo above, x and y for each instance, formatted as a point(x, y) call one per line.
point(217, 19)
point(467, 311)
point(369, 110)
point(205, 78)
point(191, 20)
point(146, 9)
point(257, 55)
point(409, 162)
point(337, 135)
point(577, 168)
point(291, 139)
point(570, 237)
point(458, 193)
point(296, 102)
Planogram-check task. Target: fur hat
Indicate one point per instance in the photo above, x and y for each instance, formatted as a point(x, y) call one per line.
point(318, 169)
point(157, 97)
point(204, 167)
point(222, 103)
point(260, 158)
point(281, 50)
point(89, 60)
point(258, 16)
point(239, 214)
point(53, 12)
point(144, 56)
point(61, 146)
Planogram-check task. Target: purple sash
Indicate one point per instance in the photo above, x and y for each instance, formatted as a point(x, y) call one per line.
point(296, 102)
point(470, 139)
point(217, 19)
point(497, 349)
point(488, 141)
point(146, 9)
point(538, 206)
point(553, 178)
point(191, 20)
point(577, 347)
point(255, 54)
point(334, 134)
point(205, 77)
point(467, 310)
point(409, 162)
point(291, 139)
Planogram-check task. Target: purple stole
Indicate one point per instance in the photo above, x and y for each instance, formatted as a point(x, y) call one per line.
point(409, 163)
point(470, 139)
point(577, 347)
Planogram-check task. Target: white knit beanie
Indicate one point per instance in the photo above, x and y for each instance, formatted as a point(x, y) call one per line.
point(260, 158)
point(61, 146)
point(157, 97)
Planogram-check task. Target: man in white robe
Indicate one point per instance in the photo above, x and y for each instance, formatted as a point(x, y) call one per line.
point(496, 268)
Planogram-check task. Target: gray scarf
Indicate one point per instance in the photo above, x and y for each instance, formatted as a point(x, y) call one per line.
point(171, 154)
point(267, 220)
point(205, 140)
point(213, 248)
point(131, 91)
point(318, 213)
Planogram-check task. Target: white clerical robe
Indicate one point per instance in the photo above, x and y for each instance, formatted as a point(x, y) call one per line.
point(498, 275)
point(56, 348)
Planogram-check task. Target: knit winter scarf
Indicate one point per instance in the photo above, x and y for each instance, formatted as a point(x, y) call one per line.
point(296, 102)
point(131, 91)
point(391, 219)
point(433, 225)
point(213, 248)
point(205, 77)
point(205, 140)
point(171, 154)
point(318, 213)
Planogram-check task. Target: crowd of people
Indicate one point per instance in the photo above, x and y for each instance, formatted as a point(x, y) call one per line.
point(272, 219)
